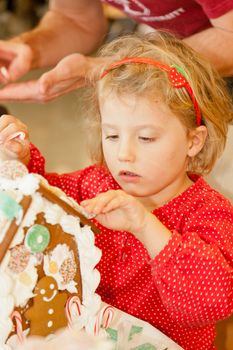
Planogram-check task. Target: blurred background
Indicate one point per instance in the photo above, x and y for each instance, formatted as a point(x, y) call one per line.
point(57, 127)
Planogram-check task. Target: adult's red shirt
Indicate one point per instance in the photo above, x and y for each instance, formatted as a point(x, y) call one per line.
point(182, 17)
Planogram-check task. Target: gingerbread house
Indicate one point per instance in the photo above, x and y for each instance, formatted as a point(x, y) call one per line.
point(47, 258)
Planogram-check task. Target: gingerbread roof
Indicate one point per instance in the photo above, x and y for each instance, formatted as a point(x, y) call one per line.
point(45, 241)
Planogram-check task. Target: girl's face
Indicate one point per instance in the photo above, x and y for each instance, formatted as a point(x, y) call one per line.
point(145, 147)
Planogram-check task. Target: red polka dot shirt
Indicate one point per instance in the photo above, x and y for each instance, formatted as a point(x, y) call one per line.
point(188, 286)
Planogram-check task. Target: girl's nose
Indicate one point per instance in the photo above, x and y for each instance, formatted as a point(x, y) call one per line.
point(126, 152)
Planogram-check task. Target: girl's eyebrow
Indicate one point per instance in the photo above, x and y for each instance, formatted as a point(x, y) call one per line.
point(137, 127)
point(108, 125)
point(149, 126)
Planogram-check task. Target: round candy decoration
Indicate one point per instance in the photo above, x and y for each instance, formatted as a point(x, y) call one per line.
point(12, 169)
point(19, 259)
point(68, 270)
point(37, 238)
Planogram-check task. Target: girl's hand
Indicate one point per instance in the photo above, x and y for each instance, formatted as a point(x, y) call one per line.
point(118, 210)
point(14, 141)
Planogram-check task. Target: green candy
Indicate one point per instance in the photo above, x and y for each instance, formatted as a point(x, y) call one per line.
point(37, 238)
point(8, 206)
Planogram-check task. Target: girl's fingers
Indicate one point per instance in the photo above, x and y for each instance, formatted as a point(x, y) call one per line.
point(17, 147)
point(115, 203)
point(105, 202)
point(96, 205)
point(4, 121)
point(14, 146)
point(20, 135)
point(12, 130)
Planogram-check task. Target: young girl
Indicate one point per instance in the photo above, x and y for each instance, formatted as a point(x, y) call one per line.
point(158, 122)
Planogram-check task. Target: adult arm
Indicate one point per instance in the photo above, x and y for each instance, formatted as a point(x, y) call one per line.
point(69, 26)
point(216, 43)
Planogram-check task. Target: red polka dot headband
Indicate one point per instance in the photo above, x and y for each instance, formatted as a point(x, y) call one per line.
point(175, 74)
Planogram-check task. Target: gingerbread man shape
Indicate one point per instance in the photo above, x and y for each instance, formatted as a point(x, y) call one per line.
point(47, 314)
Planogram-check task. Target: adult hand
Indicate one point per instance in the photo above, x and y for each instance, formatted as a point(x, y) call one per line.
point(70, 73)
point(14, 141)
point(15, 60)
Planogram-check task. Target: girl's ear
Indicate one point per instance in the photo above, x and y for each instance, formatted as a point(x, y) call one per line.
point(197, 138)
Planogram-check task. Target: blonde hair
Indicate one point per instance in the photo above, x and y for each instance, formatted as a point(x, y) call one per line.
point(153, 83)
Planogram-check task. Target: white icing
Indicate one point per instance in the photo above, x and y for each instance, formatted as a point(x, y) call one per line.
point(6, 285)
point(92, 303)
point(89, 257)
point(5, 261)
point(13, 341)
point(70, 224)
point(89, 254)
point(18, 219)
point(27, 184)
point(91, 282)
point(17, 289)
point(57, 256)
point(22, 291)
point(36, 207)
point(50, 323)
point(47, 300)
point(53, 213)
point(89, 309)
point(7, 306)
point(5, 347)
point(5, 329)
point(86, 237)
point(18, 238)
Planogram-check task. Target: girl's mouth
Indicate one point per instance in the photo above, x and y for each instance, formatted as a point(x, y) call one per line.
point(128, 176)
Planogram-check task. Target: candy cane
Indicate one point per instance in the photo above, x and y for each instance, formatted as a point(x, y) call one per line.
point(19, 326)
point(109, 312)
point(70, 302)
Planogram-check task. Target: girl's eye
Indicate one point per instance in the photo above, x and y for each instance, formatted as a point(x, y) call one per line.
point(146, 139)
point(111, 137)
